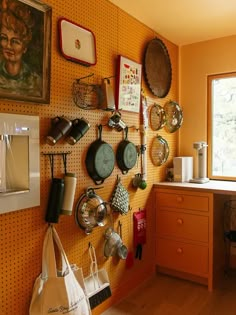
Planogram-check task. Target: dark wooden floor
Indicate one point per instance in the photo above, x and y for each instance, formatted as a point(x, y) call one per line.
point(164, 295)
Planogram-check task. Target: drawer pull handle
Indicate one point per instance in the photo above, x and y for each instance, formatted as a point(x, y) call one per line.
point(179, 250)
point(180, 221)
point(179, 199)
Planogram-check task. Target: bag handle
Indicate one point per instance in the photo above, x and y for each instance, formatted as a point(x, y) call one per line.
point(65, 263)
point(48, 256)
point(49, 268)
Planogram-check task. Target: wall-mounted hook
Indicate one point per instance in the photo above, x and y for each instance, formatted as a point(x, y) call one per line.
point(133, 127)
point(51, 159)
point(108, 78)
point(56, 153)
point(64, 158)
point(87, 76)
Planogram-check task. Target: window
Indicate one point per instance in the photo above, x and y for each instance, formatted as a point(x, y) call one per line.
point(222, 126)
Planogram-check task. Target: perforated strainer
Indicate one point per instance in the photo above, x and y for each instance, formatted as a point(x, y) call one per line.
point(159, 150)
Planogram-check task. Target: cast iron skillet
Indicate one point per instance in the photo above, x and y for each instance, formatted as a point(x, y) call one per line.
point(100, 159)
point(126, 154)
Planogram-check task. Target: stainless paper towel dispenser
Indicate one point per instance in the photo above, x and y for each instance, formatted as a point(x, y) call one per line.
point(19, 162)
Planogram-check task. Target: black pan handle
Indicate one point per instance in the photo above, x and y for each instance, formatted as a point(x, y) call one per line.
point(100, 132)
point(126, 133)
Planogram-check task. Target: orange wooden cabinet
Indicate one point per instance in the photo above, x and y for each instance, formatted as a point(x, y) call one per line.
point(189, 234)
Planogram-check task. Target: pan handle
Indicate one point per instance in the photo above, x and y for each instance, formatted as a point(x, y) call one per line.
point(99, 132)
point(126, 133)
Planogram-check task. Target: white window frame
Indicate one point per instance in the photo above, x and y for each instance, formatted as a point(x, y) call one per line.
point(210, 79)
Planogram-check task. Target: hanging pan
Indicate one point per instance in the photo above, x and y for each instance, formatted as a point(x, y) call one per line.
point(126, 154)
point(100, 159)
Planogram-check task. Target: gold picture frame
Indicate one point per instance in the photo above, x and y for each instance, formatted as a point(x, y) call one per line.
point(25, 50)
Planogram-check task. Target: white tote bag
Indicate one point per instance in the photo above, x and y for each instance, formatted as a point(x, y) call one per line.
point(53, 294)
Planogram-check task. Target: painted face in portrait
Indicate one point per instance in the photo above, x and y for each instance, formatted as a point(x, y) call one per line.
point(20, 62)
point(15, 34)
point(11, 44)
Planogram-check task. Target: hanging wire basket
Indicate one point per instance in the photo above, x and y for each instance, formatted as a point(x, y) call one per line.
point(87, 96)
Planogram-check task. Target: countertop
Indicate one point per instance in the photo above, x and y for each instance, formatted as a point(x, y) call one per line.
point(214, 186)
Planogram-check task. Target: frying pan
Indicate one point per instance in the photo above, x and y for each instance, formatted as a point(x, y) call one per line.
point(126, 154)
point(100, 159)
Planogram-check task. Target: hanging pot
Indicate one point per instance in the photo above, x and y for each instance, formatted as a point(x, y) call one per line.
point(90, 211)
point(126, 154)
point(100, 159)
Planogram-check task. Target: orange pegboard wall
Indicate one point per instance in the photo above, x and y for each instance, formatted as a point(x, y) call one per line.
point(22, 232)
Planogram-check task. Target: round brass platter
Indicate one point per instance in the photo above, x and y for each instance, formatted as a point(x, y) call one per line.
point(157, 68)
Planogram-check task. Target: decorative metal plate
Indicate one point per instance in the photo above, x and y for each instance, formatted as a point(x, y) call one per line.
point(159, 151)
point(174, 116)
point(157, 117)
point(157, 68)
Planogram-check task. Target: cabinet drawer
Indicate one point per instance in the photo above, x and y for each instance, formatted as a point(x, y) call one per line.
point(182, 201)
point(182, 256)
point(182, 225)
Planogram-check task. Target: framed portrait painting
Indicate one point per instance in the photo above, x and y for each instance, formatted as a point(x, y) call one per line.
point(129, 75)
point(25, 50)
